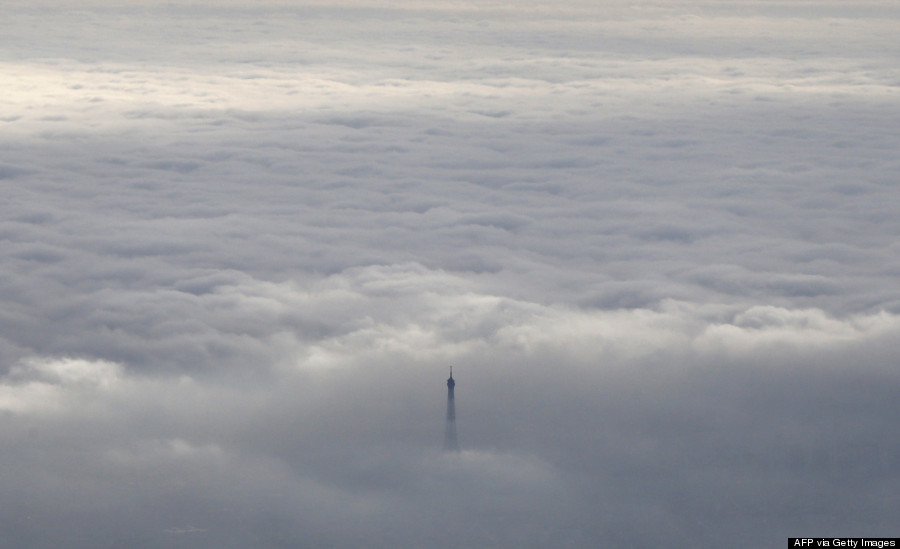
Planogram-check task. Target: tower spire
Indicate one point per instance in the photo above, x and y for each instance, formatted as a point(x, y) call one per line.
point(451, 444)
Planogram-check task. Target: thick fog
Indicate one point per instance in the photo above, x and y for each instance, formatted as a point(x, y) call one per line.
point(243, 242)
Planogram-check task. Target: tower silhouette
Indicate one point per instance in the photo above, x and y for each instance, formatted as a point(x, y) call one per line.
point(451, 444)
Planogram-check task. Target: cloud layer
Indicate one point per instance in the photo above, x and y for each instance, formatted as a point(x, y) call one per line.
point(242, 243)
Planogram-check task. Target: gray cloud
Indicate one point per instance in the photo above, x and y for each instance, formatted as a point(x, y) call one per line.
point(242, 243)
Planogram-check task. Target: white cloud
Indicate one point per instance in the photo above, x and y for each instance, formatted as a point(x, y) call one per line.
point(45, 385)
point(775, 327)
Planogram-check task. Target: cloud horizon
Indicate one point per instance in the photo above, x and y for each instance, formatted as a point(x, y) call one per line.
point(243, 243)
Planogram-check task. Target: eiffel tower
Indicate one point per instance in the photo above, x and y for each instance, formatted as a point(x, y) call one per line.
point(451, 444)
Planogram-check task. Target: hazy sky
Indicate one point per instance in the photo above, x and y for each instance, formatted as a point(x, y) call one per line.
point(242, 243)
